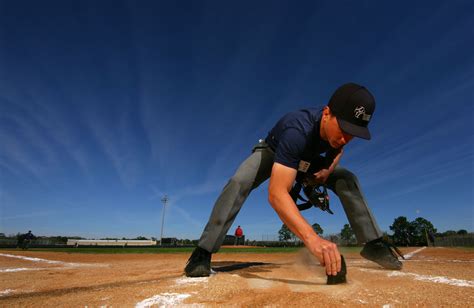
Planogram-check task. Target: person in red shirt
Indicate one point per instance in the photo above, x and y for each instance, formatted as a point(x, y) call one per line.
point(238, 236)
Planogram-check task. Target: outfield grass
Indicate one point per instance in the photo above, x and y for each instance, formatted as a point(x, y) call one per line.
point(187, 250)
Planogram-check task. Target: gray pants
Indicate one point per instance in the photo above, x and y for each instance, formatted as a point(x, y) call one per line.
point(255, 170)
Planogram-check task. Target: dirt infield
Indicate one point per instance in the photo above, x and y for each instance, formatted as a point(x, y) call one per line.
point(432, 276)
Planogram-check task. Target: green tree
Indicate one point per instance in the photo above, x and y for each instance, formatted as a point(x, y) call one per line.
point(335, 238)
point(285, 234)
point(420, 228)
point(462, 232)
point(317, 228)
point(59, 239)
point(347, 234)
point(401, 231)
point(141, 238)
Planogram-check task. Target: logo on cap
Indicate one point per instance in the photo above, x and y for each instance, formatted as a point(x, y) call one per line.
point(360, 111)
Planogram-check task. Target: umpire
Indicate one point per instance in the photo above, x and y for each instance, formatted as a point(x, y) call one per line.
point(294, 142)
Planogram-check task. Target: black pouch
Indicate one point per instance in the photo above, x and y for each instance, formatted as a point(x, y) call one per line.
point(261, 145)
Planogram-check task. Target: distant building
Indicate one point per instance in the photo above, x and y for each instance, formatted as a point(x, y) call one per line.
point(169, 241)
point(76, 243)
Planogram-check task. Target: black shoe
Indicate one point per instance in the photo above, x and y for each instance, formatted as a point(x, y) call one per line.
point(199, 264)
point(382, 253)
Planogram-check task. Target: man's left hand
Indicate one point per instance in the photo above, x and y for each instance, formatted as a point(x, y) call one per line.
point(321, 176)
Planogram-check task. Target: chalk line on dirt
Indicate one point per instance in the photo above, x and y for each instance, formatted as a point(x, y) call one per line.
point(21, 269)
point(31, 259)
point(435, 279)
point(428, 278)
point(443, 261)
point(6, 292)
point(69, 264)
point(411, 254)
point(163, 300)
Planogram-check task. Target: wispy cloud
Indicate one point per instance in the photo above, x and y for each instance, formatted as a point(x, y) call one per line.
point(187, 216)
point(189, 191)
point(28, 131)
point(15, 155)
point(117, 143)
point(426, 181)
point(30, 215)
point(40, 135)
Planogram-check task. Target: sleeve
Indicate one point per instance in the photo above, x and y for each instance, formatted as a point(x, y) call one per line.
point(290, 148)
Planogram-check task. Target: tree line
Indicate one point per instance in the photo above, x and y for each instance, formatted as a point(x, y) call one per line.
point(419, 232)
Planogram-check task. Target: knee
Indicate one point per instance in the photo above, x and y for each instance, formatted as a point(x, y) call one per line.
point(348, 178)
point(347, 175)
point(242, 181)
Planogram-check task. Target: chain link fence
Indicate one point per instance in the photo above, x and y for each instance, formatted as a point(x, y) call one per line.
point(455, 240)
point(269, 238)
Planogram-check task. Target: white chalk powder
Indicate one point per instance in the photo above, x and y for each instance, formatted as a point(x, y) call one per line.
point(163, 300)
point(5, 292)
point(191, 280)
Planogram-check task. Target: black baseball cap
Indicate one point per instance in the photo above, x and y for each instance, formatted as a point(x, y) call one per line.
point(353, 105)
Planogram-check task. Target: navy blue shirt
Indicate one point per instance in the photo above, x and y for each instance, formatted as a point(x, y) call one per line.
point(296, 138)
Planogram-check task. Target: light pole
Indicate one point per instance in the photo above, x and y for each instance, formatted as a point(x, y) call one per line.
point(164, 200)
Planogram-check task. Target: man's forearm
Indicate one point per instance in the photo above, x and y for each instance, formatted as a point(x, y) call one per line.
point(291, 217)
point(335, 161)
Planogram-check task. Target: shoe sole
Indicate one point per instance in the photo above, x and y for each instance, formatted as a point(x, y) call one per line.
point(383, 264)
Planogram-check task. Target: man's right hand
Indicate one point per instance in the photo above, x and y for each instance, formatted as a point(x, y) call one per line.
point(281, 181)
point(327, 254)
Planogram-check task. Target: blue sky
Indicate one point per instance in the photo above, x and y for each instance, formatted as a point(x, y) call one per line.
point(105, 106)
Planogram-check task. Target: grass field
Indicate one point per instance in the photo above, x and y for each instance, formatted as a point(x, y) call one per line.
point(186, 250)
